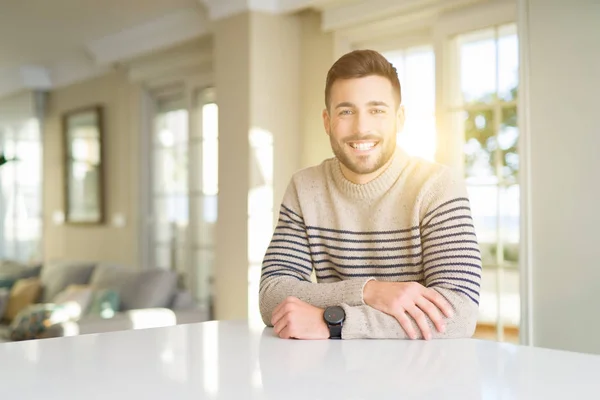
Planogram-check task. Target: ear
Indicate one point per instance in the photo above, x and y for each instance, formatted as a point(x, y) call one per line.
point(400, 118)
point(326, 121)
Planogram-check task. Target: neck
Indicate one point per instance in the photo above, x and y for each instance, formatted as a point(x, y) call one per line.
point(362, 179)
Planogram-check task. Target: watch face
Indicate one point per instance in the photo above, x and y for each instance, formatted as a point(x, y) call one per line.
point(334, 315)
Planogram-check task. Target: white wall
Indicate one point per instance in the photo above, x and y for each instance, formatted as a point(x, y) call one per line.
point(562, 54)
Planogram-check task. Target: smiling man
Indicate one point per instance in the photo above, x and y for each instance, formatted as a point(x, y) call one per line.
point(389, 237)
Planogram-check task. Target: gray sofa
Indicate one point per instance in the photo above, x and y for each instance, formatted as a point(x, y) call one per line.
point(148, 298)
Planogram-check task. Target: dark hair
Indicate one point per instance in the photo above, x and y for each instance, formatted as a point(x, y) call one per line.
point(358, 64)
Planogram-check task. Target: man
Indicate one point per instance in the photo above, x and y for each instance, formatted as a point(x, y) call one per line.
point(389, 237)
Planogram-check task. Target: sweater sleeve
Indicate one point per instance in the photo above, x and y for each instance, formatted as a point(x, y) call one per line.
point(451, 266)
point(287, 267)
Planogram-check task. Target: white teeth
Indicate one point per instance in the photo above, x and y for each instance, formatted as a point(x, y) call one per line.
point(363, 146)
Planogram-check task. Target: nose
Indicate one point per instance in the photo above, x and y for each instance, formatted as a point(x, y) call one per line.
point(361, 123)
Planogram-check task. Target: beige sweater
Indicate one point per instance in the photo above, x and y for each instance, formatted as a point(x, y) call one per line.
point(412, 223)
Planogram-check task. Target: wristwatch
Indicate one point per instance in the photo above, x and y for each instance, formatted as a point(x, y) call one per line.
point(334, 318)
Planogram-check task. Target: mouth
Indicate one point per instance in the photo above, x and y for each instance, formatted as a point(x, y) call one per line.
point(363, 146)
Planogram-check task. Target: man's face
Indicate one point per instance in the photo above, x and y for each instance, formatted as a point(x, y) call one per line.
point(362, 122)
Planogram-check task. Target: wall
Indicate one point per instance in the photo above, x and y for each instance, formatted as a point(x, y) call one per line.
point(561, 62)
point(106, 243)
point(317, 56)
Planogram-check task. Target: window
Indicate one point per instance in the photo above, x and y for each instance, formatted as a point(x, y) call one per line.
point(416, 71)
point(485, 113)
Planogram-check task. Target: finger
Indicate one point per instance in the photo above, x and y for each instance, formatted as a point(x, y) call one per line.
point(280, 326)
point(440, 301)
point(432, 312)
point(421, 320)
point(285, 333)
point(281, 310)
point(406, 324)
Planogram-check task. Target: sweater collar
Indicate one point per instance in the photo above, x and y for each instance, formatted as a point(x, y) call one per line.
point(377, 186)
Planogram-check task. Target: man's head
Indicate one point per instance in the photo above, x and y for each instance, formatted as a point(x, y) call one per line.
point(363, 113)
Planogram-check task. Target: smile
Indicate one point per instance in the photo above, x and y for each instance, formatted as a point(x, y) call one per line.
point(363, 145)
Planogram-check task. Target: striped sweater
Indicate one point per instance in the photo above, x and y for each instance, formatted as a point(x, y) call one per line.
point(412, 223)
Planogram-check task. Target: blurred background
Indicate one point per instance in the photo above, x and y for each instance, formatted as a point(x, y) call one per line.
point(151, 135)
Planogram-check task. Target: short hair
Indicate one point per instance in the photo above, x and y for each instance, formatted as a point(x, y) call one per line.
point(358, 64)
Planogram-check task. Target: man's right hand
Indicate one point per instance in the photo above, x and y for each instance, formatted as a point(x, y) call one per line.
point(399, 298)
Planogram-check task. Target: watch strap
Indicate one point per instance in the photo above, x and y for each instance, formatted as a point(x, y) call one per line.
point(335, 331)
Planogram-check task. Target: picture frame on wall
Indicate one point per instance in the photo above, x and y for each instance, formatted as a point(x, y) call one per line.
point(83, 132)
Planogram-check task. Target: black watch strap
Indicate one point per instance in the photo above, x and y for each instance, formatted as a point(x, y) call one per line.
point(335, 331)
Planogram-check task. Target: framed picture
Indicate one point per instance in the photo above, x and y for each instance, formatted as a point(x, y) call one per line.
point(84, 189)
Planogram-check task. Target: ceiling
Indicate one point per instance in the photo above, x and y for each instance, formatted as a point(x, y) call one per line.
point(42, 31)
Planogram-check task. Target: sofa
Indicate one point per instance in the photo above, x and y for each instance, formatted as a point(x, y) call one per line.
point(84, 298)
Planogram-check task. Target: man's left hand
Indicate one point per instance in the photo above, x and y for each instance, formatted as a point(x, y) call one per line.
point(295, 319)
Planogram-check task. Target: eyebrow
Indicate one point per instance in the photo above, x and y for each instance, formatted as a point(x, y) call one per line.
point(371, 103)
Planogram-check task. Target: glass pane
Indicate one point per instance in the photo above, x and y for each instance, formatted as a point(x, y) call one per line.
point(480, 144)
point(508, 62)
point(207, 209)
point(171, 209)
point(29, 155)
point(210, 121)
point(509, 223)
point(170, 170)
point(203, 262)
point(477, 66)
point(210, 166)
point(162, 257)
point(171, 128)
point(484, 206)
point(508, 138)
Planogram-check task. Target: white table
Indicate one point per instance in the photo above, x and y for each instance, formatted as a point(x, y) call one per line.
point(227, 360)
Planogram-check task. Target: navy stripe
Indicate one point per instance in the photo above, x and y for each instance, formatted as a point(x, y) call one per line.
point(452, 249)
point(363, 241)
point(452, 271)
point(397, 257)
point(477, 266)
point(292, 220)
point(291, 242)
point(329, 277)
point(292, 212)
point(444, 204)
point(275, 273)
point(290, 228)
point(281, 268)
point(288, 222)
point(447, 243)
point(367, 248)
point(452, 235)
point(289, 234)
point(366, 275)
point(446, 220)
point(309, 262)
point(468, 209)
point(463, 292)
point(449, 258)
point(289, 248)
point(446, 228)
point(450, 278)
point(453, 285)
point(418, 264)
point(364, 232)
point(276, 260)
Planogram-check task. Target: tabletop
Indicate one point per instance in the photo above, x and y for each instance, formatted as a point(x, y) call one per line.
point(228, 360)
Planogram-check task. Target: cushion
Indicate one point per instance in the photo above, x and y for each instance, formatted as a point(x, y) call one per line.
point(77, 298)
point(24, 293)
point(4, 296)
point(105, 303)
point(7, 282)
point(35, 321)
point(56, 278)
point(152, 288)
point(19, 270)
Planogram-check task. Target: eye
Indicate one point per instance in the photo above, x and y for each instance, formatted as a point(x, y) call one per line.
point(378, 111)
point(345, 112)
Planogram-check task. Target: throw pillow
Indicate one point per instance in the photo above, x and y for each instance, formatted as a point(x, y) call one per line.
point(56, 277)
point(24, 293)
point(34, 321)
point(4, 296)
point(76, 298)
point(105, 303)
